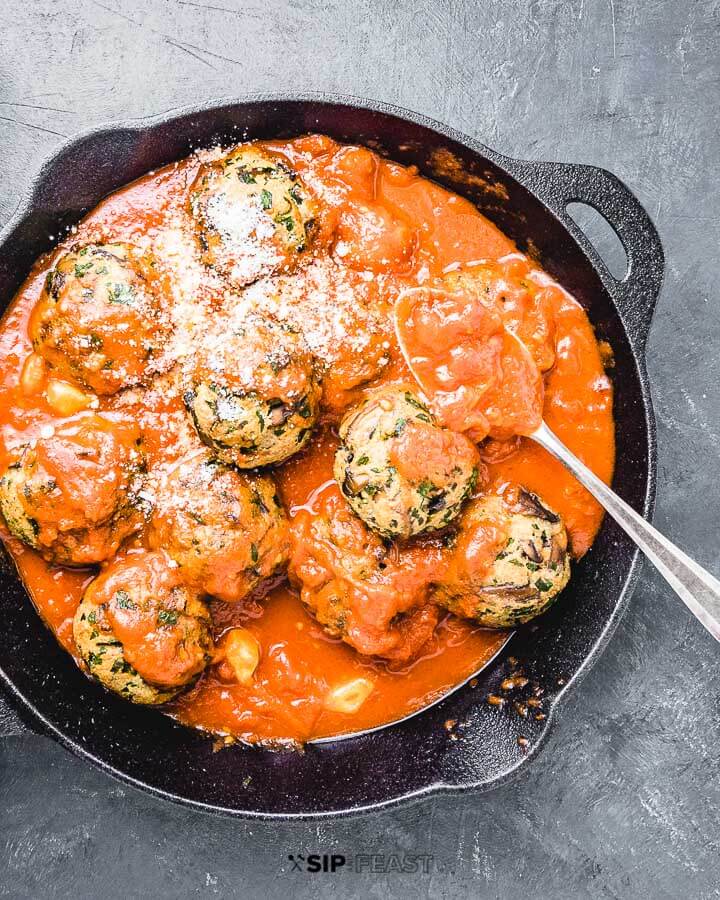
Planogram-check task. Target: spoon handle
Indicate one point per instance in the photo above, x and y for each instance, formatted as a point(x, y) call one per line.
point(698, 589)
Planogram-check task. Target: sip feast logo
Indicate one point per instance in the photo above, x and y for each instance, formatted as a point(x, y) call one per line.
point(358, 863)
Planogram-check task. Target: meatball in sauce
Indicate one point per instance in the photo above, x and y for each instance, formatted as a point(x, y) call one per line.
point(74, 494)
point(141, 631)
point(253, 393)
point(98, 319)
point(374, 596)
point(225, 529)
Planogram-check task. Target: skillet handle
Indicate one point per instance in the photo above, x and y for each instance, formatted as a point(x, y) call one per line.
point(558, 184)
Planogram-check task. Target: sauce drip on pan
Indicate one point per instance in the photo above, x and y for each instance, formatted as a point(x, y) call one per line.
point(384, 240)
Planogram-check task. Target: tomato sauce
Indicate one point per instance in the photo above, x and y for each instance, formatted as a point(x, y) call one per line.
point(387, 230)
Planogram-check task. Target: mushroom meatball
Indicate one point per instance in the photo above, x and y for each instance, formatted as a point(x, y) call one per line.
point(141, 631)
point(345, 320)
point(254, 215)
point(226, 530)
point(253, 394)
point(98, 317)
point(74, 495)
point(371, 594)
point(509, 562)
point(400, 471)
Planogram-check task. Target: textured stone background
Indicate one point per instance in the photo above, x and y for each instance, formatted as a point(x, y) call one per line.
point(624, 801)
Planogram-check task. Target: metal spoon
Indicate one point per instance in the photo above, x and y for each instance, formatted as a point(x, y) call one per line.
point(698, 589)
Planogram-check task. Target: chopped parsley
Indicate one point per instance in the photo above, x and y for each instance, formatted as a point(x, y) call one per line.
point(399, 427)
point(426, 487)
point(82, 269)
point(121, 293)
point(122, 599)
point(287, 221)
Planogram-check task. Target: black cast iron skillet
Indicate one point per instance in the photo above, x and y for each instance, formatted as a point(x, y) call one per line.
point(415, 758)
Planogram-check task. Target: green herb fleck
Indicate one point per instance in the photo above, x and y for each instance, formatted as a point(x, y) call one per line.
point(82, 269)
point(426, 487)
point(121, 293)
point(287, 221)
point(399, 427)
point(122, 599)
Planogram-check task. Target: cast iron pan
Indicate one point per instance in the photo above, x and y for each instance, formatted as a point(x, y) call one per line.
point(416, 758)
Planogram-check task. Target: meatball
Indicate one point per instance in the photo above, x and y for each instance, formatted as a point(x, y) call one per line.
point(253, 394)
point(372, 595)
point(510, 560)
point(400, 471)
point(141, 631)
point(345, 320)
point(254, 216)
point(98, 318)
point(74, 495)
point(225, 529)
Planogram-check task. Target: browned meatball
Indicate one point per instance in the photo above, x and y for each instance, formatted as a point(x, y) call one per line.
point(253, 393)
point(73, 496)
point(254, 215)
point(349, 332)
point(226, 530)
point(399, 469)
point(371, 594)
point(141, 630)
point(98, 319)
point(510, 560)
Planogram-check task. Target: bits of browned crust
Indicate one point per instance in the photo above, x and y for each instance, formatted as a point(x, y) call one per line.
point(513, 682)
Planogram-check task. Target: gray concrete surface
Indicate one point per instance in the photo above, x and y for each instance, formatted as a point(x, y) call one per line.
point(624, 801)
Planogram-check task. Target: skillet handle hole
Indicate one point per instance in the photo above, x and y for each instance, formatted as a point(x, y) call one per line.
point(602, 236)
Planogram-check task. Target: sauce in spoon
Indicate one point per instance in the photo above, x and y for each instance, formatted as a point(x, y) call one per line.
point(477, 375)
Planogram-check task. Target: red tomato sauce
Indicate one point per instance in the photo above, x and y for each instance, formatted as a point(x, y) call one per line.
point(386, 230)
